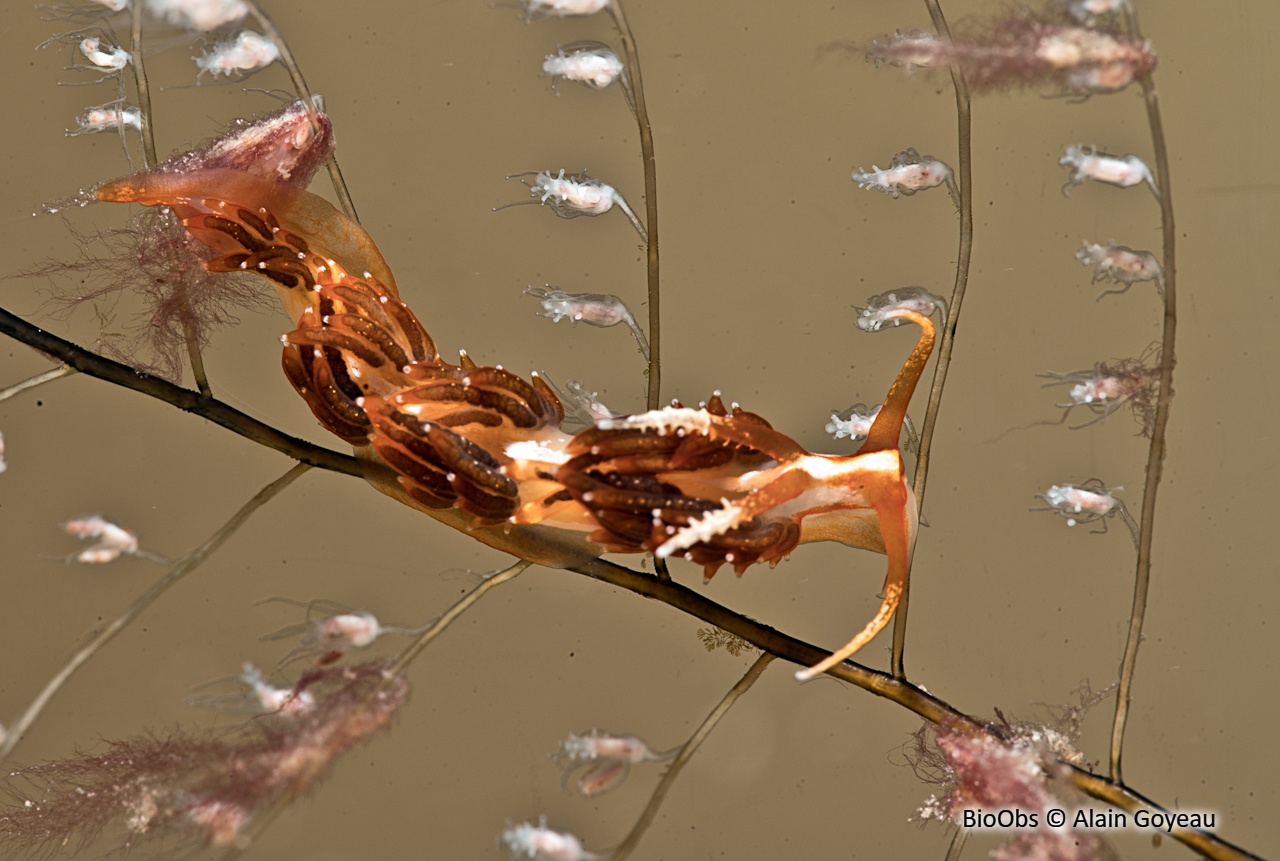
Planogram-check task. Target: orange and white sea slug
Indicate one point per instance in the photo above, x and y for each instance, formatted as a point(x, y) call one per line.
point(482, 449)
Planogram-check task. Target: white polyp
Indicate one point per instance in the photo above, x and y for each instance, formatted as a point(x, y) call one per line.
point(1120, 264)
point(1069, 498)
point(202, 15)
point(597, 67)
point(608, 759)
point(594, 309)
point(908, 173)
point(1087, 162)
point(562, 8)
point(854, 422)
point(1083, 503)
point(600, 745)
point(1089, 10)
point(580, 406)
point(1105, 389)
point(248, 51)
point(588, 402)
point(112, 540)
point(585, 196)
point(884, 308)
point(271, 699)
point(528, 840)
point(1098, 389)
point(356, 630)
point(572, 196)
point(112, 59)
point(913, 49)
point(106, 118)
point(97, 555)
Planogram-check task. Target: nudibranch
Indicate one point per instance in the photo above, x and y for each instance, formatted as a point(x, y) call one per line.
point(482, 449)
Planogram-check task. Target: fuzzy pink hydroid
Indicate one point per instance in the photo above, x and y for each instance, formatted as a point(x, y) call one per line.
point(979, 771)
point(1025, 49)
point(191, 786)
point(155, 258)
point(1019, 766)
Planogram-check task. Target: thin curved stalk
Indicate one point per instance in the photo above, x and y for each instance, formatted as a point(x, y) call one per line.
point(635, 91)
point(194, 356)
point(144, 91)
point(37, 380)
point(1156, 452)
point(181, 569)
point(149, 160)
point(269, 29)
point(650, 812)
point(459, 607)
point(964, 166)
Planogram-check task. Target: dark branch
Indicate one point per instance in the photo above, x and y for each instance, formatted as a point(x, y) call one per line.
point(668, 592)
point(186, 400)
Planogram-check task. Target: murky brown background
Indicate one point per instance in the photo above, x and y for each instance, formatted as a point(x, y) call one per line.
point(765, 244)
